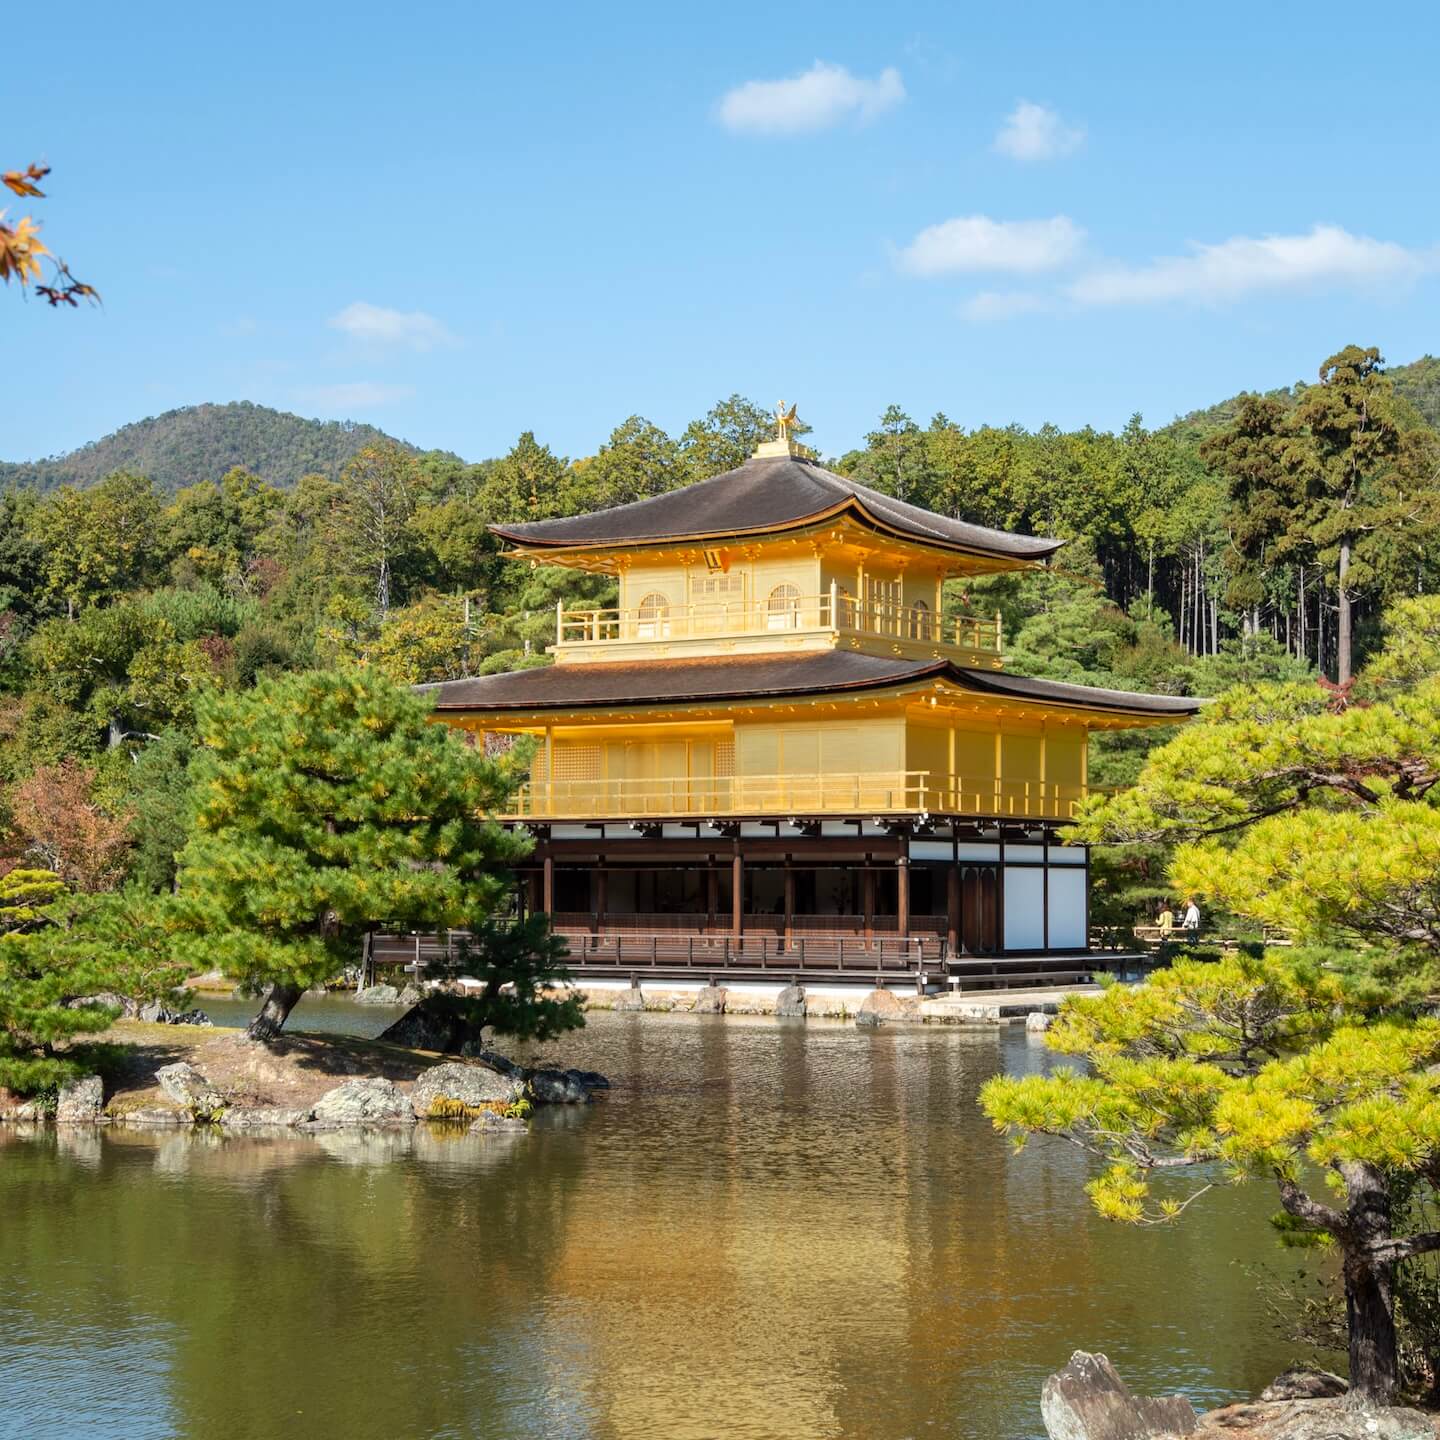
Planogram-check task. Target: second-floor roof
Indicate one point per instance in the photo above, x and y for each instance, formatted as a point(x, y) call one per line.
point(731, 679)
point(769, 495)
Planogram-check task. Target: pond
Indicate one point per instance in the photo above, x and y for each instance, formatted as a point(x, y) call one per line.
point(766, 1229)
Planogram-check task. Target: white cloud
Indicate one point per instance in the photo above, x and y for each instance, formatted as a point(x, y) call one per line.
point(815, 99)
point(1328, 255)
point(355, 395)
point(1002, 304)
point(376, 325)
point(1036, 132)
point(976, 242)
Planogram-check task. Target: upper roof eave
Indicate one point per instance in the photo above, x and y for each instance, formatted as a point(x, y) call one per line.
point(785, 494)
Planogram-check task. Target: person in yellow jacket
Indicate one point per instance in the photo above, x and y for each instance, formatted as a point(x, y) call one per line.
point(1167, 923)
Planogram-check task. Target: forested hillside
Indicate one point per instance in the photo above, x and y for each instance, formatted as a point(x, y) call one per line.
point(201, 442)
point(1270, 548)
point(1417, 384)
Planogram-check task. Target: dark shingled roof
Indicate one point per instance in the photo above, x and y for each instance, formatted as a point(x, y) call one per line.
point(762, 676)
point(764, 495)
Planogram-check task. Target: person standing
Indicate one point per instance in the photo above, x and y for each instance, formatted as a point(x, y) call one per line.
point(1191, 921)
point(1167, 922)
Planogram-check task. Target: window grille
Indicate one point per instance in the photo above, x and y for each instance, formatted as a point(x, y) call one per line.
point(783, 608)
point(724, 759)
point(577, 762)
point(654, 616)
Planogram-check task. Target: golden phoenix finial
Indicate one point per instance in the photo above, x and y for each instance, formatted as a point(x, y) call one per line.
point(784, 419)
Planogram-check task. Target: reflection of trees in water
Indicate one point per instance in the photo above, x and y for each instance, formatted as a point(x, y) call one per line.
point(377, 1284)
point(778, 1231)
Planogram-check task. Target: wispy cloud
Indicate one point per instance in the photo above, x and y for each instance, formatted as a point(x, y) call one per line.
point(1327, 256)
point(976, 242)
point(1036, 132)
point(1003, 304)
point(815, 99)
point(374, 324)
point(346, 398)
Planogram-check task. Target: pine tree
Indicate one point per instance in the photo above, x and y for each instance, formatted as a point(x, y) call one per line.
point(1256, 1068)
point(35, 984)
point(328, 804)
point(1294, 807)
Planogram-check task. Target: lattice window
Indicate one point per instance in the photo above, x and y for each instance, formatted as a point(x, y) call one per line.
point(653, 620)
point(783, 608)
point(724, 759)
point(920, 621)
point(577, 762)
point(708, 589)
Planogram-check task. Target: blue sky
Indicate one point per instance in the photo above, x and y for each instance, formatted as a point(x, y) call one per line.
point(462, 221)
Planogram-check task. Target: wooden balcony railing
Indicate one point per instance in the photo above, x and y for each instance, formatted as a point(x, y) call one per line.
point(899, 792)
point(778, 615)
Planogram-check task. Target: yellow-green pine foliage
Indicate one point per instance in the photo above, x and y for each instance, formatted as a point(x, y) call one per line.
point(1294, 809)
point(1243, 1067)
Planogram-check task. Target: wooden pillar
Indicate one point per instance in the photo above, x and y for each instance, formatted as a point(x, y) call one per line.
point(602, 898)
point(867, 899)
point(737, 892)
point(548, 891)
point(549, 770)
point(952, 784)
point(789, 903)
point(712, 896)
point(952, 908)
point(902, 889)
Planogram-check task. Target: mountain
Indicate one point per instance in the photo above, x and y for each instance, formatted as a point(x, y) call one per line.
point(1417, 383)
point(202, 442)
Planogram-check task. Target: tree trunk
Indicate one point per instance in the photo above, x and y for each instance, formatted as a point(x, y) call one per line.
point(281, 1000)
point(1370, 1316)
point(1342, 643)
point(1369, 1286)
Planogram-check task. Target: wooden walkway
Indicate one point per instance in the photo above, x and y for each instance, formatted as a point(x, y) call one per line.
point(921, 961)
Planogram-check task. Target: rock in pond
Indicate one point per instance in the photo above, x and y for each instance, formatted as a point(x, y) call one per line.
point(1038, 1021)
point(558, 1087)
point(790, 1003)
point(154, 1117)
point(453, 1090)
point(80, 1101)
point(364, 1102)
point(264, 1117)
point(880, 1007)
point(410, 995)
point(1087, 1400)
point(711, 1000)
point(378, 995)
point(188, 1088)
point(549, 1091)
point(631, 999)
point(488, 1122)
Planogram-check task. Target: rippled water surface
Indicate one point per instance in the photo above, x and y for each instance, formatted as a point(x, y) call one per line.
point(766, 1230)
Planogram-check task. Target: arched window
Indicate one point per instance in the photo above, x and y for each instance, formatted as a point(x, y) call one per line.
point(920, 621)
point(653, 620)
point(782, 609)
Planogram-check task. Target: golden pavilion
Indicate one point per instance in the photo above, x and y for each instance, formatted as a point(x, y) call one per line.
point(778, 754)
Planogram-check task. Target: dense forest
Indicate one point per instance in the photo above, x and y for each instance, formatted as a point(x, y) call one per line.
point(1198, 555)
point(182, 446)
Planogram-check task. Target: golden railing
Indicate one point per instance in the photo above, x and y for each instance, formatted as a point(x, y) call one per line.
point(862, 793)
point(777, 616)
